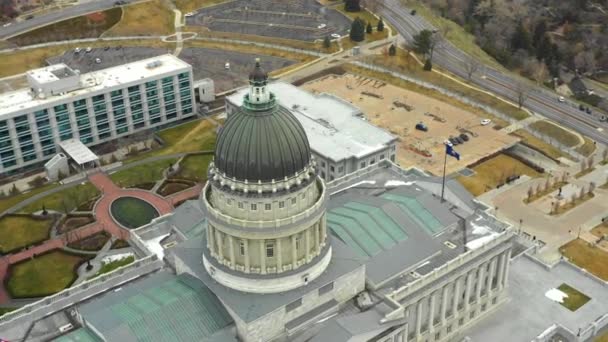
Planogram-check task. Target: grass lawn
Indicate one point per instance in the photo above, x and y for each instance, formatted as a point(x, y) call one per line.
point(44, 275)
point(487, 177)
point(193, 136)
point(556, 185)
point(111, 266)
point(557, 133)
point(571, 205)
point(456, 35)
point(575, 298)
point(20, 61)
point(407, 65)
point(367, 17)
point(20, 231)
point(144, 19)
point(145, 173)
point(587, 148)
point(9, 202)
point(195, 167)
point(537, 144)
point(65, 199)
point(192, 5)
point(118, 244)
point(600, 230)
point(603, 338)
point(593, 259)
point(86, 26)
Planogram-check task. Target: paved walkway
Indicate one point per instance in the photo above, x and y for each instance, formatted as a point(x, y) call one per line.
point(104, 221)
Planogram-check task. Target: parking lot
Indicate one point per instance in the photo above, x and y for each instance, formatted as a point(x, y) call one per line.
point(399, 110)
point(290, 19)
point(206, 63)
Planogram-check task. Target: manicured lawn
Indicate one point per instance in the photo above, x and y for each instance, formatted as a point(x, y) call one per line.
point(20, 231)
point(603, 338)
point(145, 173)
point(557, 133)
point(44, 275)
point(195, 167)
point(593, 259)
point(9, 202)
point(87, 26)
point(192, 5)
point(367, 17)
point(407, 65)
point(144, 19)
point(587, 148)
point(537, 144)
point(600, 230)
point(67, 199)
point(118, 244)
point(575, 298)
point(111, 266)
point(493, 172)
point(457, 34)
point(172, 187)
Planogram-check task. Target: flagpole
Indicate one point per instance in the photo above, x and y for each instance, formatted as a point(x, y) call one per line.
point(445, 161)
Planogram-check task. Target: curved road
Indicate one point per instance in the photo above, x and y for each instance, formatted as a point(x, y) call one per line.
point(540, 100)
point(57, 15)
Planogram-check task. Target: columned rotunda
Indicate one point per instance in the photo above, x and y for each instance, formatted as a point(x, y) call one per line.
point(264, 200)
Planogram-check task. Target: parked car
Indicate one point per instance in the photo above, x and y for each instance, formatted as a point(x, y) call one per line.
point(588, 110)
point(7, 25)
point(485, 122)
point(413, 12)
point(422, 127)
point(335, 35)
point(29, 17)
point(119, 3)
point(189, 14)
point(97, 60)
point(561, 99)
point(322, 26)
point(89, 49)
point(581, 107)
point(77, 50)
point(106, 48)
point(464, 137)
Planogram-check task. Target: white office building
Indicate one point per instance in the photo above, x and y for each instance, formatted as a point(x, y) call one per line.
point(341, 139)
point(96, 107)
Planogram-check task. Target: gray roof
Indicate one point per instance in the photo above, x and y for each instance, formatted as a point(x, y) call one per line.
point(336, 129)
point(159, 307)
point(79, 335)
point(262, 145)
point(251, 306)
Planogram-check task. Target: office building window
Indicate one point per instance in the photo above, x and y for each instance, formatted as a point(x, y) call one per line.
point(240, 205)
point(293, 200)
point(267, 206)
point(281, 204)
point(254, 206)
point(269, 249)
point(242, 247)
point(293, 305)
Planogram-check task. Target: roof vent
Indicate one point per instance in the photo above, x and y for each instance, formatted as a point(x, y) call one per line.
point(449, 244)
point(154, 64)
point(415, 274)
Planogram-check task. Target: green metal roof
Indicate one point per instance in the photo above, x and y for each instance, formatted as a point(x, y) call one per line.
point(368, 230)
point(162, 307)
point(417, 212)
point(78, 335)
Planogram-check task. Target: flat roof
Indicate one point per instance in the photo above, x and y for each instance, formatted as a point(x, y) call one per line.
point(78, 151)
point(94, 81)
point(51, 73)
point(336, 129)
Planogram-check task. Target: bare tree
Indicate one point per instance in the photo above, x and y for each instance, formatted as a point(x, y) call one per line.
point(605, 154)
point(522, 93)
point(582, 192)
point(530, 192)
point(583, 165)
point(471, 65)
point(573, 198)
point(592, 186)
point(590, 162)
point(541, 73)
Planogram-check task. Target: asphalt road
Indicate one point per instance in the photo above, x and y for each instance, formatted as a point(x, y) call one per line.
point(540, 100)
point(57, 15)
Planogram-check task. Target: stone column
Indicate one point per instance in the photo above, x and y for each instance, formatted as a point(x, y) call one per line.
point(444, 304)
point(210, 239)
point(418, 318)
point(467, 292)
point(294, 252)
point(501, 271)
point(279, 255)
point(507, 266)
point(220, 244)
point(262, 256)
point(247, 261)
point(432, 310)
point(491, 273)
point(480, 281)
point(231, 247)
point(307, 244)
point(456, 296)
point(406, 326)
point(317, 242)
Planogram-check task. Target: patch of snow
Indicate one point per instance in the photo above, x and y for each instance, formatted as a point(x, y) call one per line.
point(556, 295)
point(154, 246)
point(354, 185)
point(391, 183)
point(480, 230)
point(474, 244)
point(115, 257)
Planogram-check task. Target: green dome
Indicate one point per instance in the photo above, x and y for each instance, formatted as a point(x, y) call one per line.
point(262, 145)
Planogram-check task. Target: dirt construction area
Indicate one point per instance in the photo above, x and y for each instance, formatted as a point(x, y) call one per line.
point(290, 19)
point(398, 111)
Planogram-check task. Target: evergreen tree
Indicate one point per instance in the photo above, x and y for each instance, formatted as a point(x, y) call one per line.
point(380, 26)
point(326, 42)
point(14, 190)
point(357, 30)
point(369, 29)
point(392, 50)
point(539, 33)
point(521, 39)
point(428, 65)
point(352, 5)
point(423, 42)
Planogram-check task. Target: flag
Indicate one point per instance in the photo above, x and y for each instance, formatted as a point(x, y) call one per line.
point(450, 151)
